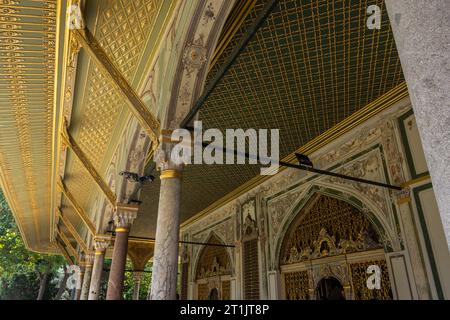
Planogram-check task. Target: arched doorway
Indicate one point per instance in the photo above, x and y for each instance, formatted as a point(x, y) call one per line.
point(326, 251)
point(330, 288)
point(213, 272)
point(214, 294)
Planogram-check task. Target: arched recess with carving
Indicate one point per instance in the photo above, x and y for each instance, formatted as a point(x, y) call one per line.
point(372, 212)
point(212, 270)
point(330, 238)
point(327, 226)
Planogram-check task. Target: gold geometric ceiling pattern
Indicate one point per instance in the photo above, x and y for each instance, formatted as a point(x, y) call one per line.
point(310, 66)
point(122, 29)
point(27, 67)
point(29, 75)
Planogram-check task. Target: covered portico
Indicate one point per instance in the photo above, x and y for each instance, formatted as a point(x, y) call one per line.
point(91, 92)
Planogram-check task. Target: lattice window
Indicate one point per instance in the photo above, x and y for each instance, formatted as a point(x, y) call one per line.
point(184, 280)
point(251, 270)
point(202, 291)
point(226, 290)
point(213, 261)
point(296, 285)
point(359, 280)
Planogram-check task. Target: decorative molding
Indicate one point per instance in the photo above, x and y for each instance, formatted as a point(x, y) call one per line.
point(71, 143)
point(101, 243)
point(79, 210)
point(125, 215)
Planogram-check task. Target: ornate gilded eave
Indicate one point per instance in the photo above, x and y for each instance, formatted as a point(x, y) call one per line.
point(46, 81)
point(28, 53)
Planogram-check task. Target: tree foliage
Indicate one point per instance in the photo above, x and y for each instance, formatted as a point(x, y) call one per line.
point(21, 271)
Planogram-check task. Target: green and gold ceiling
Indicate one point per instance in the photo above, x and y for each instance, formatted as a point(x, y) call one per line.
point(312, 65)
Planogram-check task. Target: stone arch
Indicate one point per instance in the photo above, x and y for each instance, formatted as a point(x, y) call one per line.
point(211, 237)
point(177, 75)
point(306, 239)
point(189, 58)
point(212, 271)
point(365, 205)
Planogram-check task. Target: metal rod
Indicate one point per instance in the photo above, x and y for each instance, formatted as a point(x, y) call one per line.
point(310, 169)
point(231, 59)
point(144, 271)
point(208, 244)
point(338, 175)
point(188, 242)
point(255, 27)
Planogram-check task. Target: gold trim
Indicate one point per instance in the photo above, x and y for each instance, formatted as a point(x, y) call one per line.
point(149, 241)
point(404, 200)
point(378, 105)
point(64, 252)
point(72, 230)
point(118, 230)
point(71, 249)
point(170, 174)
point(99, 253)
point(230, 29)
point(79, 210)
point(415, 181)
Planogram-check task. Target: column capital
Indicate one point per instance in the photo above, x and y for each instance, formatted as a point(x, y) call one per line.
point(124, 216)
point(101, 243)
point(137, 275)
point(88, 260)
point(165, 163)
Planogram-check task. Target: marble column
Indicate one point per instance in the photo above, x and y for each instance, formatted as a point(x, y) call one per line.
point(79, 282)
point(422, 35)
point(165, 259)
point(87, 276)
point(137, 277)
point(123, 219)
point(101, 244)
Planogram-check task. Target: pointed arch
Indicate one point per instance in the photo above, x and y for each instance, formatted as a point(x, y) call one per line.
point(212, 260)
point(363, 204)
point(327, 226)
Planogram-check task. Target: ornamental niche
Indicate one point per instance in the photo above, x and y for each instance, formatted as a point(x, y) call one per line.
point(326, 227)
point(214, 261)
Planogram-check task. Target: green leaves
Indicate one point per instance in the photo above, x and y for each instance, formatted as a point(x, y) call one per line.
point(20, 269)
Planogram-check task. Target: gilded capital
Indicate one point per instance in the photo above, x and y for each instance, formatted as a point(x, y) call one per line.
point(125, 215)
point(87, 260)
point(164, 161)
point(101, 243)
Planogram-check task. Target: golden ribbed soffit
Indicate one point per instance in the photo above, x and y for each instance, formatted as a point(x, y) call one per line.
point(27, 66)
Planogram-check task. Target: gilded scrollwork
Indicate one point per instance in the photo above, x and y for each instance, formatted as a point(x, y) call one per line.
point(296, 285)
point(327, 227)
point(213, 261)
